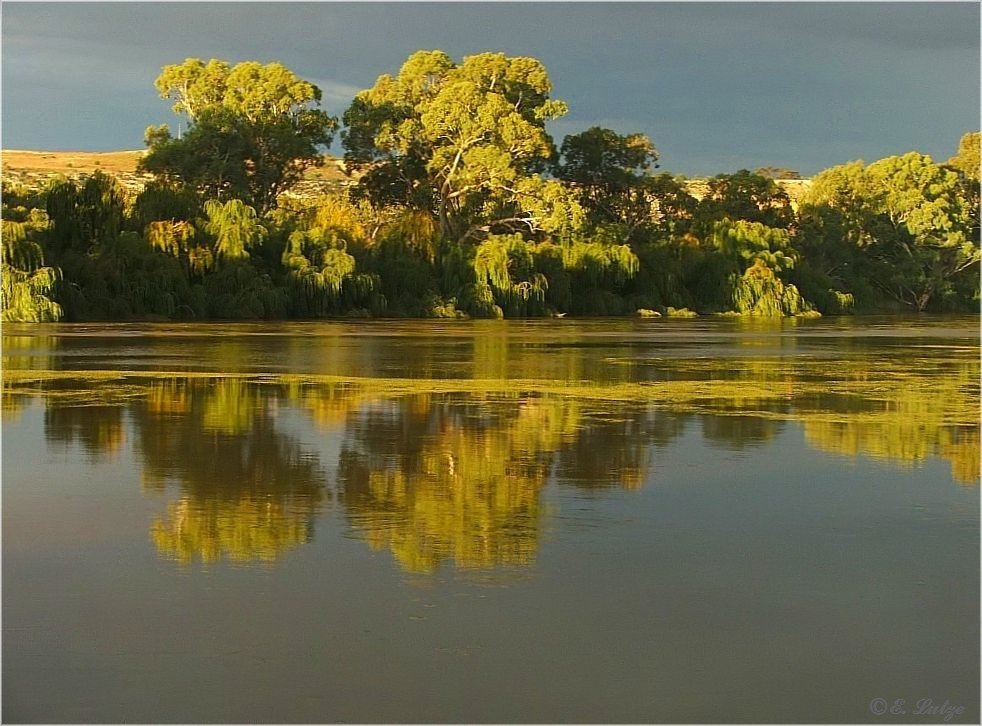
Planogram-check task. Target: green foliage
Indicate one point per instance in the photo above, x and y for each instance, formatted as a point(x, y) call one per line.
point(746, 242)
point(405, 257)
point(237, 291)
point(452, 213)
point(903, 223)
point(321, 271)
point(760, 292)
point(966, 160)
point(744, 196)
point(254, 130)
point(162, 202)
point(234, 227)
point(505, 264)
point(87, 217)
point(28, 286)
point(598, 272)
point(609, 171)
point(453, 139)
point(673, 208)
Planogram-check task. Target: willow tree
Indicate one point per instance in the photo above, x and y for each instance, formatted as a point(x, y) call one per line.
point(755, 257)
point(598, 269)
point(86, 216)
point(27, 290)
point(461, 141)
point(234, 227)
point(322, 272)
point(253, 130)
point(507, 281)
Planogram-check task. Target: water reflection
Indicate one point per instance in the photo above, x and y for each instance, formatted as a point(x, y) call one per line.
point(437, 479)
point(613, 446)
point(98, 429)
point(458, 478)
point(449, 471)
point(737, 432)
point(245, 490)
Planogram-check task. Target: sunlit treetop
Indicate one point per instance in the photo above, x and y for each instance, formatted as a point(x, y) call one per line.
point(454, 139)
point(249, 88)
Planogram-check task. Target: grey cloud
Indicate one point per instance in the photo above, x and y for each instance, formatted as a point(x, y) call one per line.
point(716, 86)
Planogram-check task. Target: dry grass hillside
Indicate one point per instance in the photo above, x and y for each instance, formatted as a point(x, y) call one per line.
point(34, 168)
point(67, 162)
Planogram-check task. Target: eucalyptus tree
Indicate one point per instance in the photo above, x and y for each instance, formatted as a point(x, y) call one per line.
point(929, 242)
point(966, 163)
point(464, 141)
point(967, 159)
point(253, 130)
point(908, 224)
point(747, 196)
point(610, 174)
point(672, 205)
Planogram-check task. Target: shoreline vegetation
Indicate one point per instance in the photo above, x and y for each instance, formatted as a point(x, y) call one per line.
point(452, 201)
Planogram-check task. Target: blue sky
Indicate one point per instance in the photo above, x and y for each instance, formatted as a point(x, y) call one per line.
point(716, 86)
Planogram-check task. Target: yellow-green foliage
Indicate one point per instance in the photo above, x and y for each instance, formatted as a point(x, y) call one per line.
point(600, 262)
point(505, 264)
point(319, 263)
point(173, 237)
point(27, 286)
point(760, 292)
point(750, 242)
point(234, 226)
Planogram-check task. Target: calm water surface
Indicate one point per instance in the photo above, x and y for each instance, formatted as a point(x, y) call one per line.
point(553, 521)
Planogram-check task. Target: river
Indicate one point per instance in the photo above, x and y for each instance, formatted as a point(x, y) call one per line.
point(492, 521)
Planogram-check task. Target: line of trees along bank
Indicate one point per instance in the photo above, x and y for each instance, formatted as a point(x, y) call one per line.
point(465, 206)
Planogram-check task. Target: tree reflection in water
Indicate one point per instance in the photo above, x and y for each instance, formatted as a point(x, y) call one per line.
point(98, 429)
point(247, 491)
point(447, 478)
point(929, 408)
point(451, 471)
point(458, 479)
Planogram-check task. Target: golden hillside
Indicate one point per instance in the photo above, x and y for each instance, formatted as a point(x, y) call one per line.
point(34, 168)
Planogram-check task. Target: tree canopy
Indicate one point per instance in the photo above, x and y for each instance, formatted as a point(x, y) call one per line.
point(610, 173)
point(253, 130)
point(459, 203)
point(461, 140)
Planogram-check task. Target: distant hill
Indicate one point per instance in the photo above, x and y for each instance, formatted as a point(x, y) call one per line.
point(68, 162)
point(34, 168)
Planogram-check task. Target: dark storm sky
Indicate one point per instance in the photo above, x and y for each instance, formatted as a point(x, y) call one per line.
point(717, 87)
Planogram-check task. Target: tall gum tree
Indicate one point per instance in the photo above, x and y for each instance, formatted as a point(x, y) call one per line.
point(253, 130)
point(610, 172)
point(462, 141)
point(907, 220)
